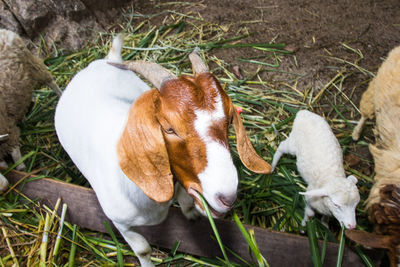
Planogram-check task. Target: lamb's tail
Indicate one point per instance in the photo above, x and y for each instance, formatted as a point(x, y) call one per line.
point(115, 52)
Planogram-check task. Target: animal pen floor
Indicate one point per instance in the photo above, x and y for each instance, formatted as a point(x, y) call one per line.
point(331, 51)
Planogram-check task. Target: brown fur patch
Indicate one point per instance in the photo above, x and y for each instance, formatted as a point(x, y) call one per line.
point(160, 138)
point(142, 153)
point(179, 99)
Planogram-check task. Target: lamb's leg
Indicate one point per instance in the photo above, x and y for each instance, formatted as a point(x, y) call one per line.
point(325, 221)
point(358, 129)
point(16, 156)
point(3, 183)
point(55, 88)
point(308, 213)
point(367, 109)
point(186, 203)
point(138, 243)
point(283, 148)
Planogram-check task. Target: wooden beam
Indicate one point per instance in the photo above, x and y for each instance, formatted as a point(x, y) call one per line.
point(280, 249)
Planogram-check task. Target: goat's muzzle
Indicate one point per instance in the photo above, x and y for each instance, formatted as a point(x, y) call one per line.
point(197, 200)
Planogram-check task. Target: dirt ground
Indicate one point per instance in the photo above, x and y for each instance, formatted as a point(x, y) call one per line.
point(325, 37)
point(313, 29)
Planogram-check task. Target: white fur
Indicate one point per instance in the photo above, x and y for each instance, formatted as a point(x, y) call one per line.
point(89, 120)
point(220, 175)
point(320, 163)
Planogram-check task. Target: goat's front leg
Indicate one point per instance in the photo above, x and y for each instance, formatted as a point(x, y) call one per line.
point(138, 244)
point(186, 203)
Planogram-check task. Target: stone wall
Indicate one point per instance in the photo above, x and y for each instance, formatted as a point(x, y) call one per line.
point(66, 23)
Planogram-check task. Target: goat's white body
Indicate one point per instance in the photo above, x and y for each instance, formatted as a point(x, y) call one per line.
point(320, 163)
point(89, 121)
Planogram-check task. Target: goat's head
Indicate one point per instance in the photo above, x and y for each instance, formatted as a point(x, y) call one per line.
point(181, 131)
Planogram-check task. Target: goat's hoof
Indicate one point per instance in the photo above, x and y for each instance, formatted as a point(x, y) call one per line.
point(191, 213)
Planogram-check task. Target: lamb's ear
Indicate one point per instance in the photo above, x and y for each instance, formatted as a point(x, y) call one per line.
point(369, 239)
point(352, 178)
point(322, 192)
point(142, 153)
point(247, 154)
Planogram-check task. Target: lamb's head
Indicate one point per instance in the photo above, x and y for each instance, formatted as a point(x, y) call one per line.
point(181, 131)
point(341, 197)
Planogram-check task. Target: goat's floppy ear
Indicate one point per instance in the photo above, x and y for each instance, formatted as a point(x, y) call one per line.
point(247, 154)
point(141, 150)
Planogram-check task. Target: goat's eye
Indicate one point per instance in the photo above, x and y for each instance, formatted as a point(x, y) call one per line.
point(170, 131)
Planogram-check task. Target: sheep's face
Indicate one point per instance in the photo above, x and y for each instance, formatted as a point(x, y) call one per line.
point(194, 114)
point(338, 198)
point(342, 203)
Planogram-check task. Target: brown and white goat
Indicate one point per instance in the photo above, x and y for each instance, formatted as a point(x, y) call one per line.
point(139, 147)
point(382, 100)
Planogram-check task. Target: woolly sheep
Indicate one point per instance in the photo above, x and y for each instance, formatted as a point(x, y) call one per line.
point(320, 163)
point(133, 144)
point(382, 100)
point(20, 73)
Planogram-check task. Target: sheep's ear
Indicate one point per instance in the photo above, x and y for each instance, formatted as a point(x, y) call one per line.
point(315, 193)
point(352, 178)
point(369, 239)
point(141, 150)
point(247, 154)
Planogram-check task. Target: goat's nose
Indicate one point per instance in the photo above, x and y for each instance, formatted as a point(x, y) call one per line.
point(227, 200)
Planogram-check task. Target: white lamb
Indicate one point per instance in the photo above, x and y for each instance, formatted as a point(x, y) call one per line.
point(320, 163)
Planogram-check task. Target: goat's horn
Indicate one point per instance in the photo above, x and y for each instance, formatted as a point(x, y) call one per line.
point(151, 71)
point(198, 64)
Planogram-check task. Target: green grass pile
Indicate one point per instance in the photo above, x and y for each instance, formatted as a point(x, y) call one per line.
point(270, 201)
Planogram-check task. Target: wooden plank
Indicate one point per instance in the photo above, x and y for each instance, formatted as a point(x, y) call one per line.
point(195, 236)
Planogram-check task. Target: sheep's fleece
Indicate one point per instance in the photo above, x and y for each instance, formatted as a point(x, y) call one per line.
point(320, 163)
point(382, 100)
point(20, 74)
